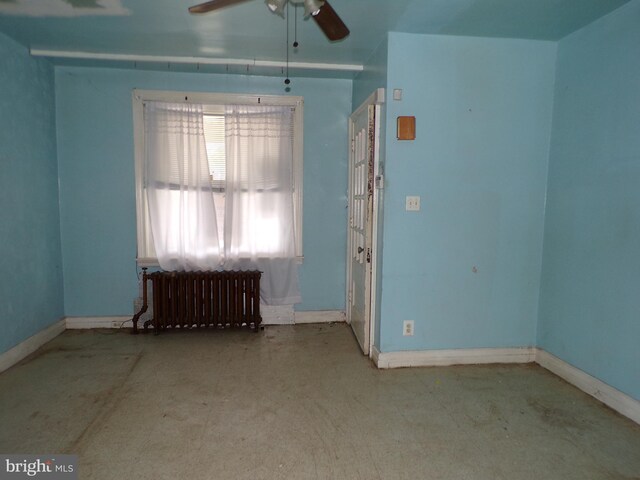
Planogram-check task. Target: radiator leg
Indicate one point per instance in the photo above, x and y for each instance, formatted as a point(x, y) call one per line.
point(146, 325)
point(136, 317)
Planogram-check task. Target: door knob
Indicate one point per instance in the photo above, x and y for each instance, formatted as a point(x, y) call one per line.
point(360, 249)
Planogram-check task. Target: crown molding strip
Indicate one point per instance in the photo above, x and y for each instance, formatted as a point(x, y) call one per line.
point(124, 57)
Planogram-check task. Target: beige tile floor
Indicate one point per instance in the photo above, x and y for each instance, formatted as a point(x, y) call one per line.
point(299, 403)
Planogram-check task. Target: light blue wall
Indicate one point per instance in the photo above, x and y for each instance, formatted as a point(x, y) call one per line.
point(95, 150)
point(373, 76)
point(31, 266)
point(483, 109)
point(590, 301)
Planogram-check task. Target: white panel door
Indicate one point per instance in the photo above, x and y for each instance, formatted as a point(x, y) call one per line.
point(363, 132)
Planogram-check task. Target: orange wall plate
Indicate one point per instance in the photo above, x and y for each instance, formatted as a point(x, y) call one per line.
point(406, 128)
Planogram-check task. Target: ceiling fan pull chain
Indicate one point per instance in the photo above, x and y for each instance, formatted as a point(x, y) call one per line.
point(286, 80)
point(295, 25)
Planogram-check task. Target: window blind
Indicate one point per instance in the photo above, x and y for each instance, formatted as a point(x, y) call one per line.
point(214, 130)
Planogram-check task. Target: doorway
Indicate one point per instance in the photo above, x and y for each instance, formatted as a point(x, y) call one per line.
point(363, 196)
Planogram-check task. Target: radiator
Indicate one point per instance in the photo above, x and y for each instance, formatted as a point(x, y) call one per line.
point(201, 299)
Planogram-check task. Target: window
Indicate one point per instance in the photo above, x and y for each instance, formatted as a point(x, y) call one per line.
point(214, 126)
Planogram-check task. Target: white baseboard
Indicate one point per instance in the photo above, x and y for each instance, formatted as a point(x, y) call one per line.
point(277, 314)
point(321, 316)
point(444, 358)
point(271, 315)
point(73, 323)
point(374, 354)
point(612, 397)
point(30, 345)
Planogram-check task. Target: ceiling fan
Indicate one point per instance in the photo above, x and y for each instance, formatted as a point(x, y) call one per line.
point(320, 10)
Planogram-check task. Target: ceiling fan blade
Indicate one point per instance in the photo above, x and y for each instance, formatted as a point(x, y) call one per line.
point(213, 5)
point(330, 23)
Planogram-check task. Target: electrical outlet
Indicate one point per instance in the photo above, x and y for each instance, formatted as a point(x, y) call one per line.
point(412, 204)
point(407, 328)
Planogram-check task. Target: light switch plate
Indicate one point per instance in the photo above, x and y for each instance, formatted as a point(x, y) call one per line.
point(412, 204)
point(397, 94)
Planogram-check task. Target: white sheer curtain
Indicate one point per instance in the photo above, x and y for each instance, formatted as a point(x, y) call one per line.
point(178, 186)
point(259, 227)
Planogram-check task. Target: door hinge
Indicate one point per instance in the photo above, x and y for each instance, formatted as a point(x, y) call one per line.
point(368, 255)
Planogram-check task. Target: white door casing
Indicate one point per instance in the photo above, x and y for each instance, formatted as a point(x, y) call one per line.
point(364, 130)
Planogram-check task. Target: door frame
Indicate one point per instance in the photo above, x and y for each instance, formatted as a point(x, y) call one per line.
point(377, 100)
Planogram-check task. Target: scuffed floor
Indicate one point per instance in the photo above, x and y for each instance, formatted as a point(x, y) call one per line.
point(299, 403)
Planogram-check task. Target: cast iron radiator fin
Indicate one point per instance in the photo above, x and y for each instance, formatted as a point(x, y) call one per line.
point(218, 299)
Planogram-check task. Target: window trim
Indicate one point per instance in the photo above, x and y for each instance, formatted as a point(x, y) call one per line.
point(204, 98)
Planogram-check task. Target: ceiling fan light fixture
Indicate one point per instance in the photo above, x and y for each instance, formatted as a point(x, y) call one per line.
point(312, 7)
point(321, 11)
point(276, 6)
